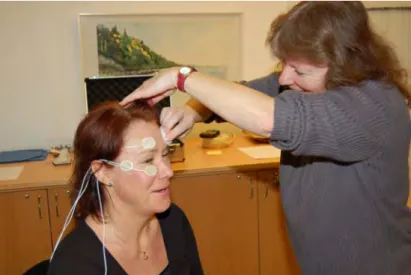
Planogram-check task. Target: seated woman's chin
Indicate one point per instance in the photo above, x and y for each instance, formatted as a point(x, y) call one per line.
point(161, 205)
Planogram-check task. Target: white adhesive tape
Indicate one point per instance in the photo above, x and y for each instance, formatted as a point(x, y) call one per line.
point(163, 134)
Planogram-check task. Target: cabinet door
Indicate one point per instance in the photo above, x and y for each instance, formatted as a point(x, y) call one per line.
point(60, 205)
point(24, 230)
point(222, 210)
point(276, 255)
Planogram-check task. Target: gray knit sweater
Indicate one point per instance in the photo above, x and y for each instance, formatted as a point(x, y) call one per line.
point(344, 177)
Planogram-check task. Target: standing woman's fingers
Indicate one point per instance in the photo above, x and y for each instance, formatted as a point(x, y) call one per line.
point(136, 94)
point(168, 112)
point(174, 119)
point(150, 89)
point(179, 131)
point(164, 113)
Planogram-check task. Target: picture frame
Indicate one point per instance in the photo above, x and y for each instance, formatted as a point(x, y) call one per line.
point(115, 45)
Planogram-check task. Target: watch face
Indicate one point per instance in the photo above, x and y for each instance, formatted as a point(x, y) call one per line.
point(185, 70)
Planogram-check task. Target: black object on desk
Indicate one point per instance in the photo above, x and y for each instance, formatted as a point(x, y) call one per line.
point(115, 88)
point(176, 151)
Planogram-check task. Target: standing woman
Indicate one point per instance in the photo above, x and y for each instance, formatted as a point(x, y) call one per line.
point(344, 130)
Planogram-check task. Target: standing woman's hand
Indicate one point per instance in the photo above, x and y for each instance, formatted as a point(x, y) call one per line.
point(156, 88)
point(178, 121)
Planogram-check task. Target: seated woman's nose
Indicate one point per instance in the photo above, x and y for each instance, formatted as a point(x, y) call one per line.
point(164, 170)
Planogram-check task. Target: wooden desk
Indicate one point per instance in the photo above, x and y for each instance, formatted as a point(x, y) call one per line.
point(44, 174)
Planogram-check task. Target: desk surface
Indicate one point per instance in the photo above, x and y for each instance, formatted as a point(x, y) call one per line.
point(44, 174)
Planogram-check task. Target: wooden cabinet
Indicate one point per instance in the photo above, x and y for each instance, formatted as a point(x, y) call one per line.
point(30, 223)
point(238, 222)
point(59, 205)
point(276, 255)
point(24, 230)
point(222, 211)
point(237, 219)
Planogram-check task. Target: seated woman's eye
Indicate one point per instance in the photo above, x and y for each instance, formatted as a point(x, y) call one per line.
point(149, 160)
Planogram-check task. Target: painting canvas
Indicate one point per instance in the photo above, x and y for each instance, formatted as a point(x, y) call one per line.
point(118, 45)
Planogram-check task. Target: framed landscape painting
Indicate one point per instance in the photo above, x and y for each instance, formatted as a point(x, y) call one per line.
point(135, 44)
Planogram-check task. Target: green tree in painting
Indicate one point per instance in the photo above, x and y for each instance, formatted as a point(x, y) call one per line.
point(120, 52)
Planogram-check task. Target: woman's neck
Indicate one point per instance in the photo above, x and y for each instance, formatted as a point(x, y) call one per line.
point(127, 230)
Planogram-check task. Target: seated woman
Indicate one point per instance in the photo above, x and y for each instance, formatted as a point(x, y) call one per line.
point(126, 223)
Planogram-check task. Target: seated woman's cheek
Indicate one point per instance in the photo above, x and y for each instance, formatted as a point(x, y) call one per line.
point(140, 190)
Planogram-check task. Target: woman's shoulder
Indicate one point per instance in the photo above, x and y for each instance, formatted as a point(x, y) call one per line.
point(76, 251)
point(373, 88)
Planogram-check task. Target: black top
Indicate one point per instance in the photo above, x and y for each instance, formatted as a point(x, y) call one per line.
point(80, 252)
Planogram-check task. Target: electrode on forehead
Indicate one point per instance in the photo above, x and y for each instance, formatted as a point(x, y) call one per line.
point(148, 143)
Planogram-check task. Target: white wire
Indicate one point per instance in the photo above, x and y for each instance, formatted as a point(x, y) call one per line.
point(121, 165)
point(104, 227)
point(82, 189)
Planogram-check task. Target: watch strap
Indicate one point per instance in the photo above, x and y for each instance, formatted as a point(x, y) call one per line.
point(181, 78)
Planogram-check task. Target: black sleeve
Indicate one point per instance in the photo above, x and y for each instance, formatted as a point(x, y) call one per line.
point(191, 248)
point(347, 124)
point(267, 85)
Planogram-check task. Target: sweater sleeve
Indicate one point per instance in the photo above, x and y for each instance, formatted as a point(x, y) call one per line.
point(346, 124)
point(267, 85)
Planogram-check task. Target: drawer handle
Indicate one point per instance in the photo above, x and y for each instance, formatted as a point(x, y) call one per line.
point(266, 190)
point(276, 178)
point(250, 179)
point(56, 199)
point(39, 207)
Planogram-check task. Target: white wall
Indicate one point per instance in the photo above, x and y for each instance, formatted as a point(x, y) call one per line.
point(41, 88)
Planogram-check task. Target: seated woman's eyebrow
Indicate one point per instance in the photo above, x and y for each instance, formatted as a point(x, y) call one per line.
point(146, 152)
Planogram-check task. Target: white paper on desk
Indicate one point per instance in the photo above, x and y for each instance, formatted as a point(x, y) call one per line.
point(261, 152)
point(10, 173)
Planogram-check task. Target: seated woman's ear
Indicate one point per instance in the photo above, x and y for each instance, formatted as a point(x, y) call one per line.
point(101, 173)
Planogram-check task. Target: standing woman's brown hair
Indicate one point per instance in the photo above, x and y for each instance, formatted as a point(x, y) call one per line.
point(337, 33)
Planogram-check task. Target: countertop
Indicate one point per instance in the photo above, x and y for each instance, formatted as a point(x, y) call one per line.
point(44, 174)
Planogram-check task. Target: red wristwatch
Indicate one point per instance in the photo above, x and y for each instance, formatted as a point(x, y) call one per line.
point(183, 73)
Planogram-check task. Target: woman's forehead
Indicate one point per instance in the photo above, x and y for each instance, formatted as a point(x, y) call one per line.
point(141, 129)
point(302, 63)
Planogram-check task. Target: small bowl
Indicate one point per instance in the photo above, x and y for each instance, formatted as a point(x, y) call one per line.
point(255, 136)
